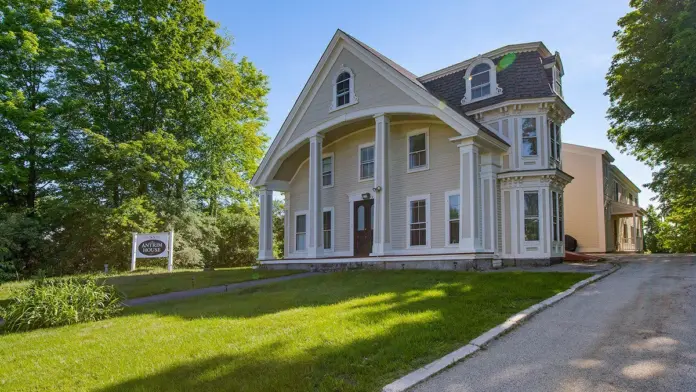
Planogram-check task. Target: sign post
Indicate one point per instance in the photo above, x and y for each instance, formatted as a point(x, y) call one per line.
point(152, 245)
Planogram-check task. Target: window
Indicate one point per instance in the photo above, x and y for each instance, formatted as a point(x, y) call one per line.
point(554, 226)
point(616, 191)
point(480, 81)
point(555, 145)
point(300, 232)
point(531, 216)
point(452, 213)
point(328, 228)
point(529, 137)
point(561, 233)
point(630, 198)
point(557, 87)
point(418, 151)
point(343, 89)
point(418, 223)
point(327, 171)
point(367, 162)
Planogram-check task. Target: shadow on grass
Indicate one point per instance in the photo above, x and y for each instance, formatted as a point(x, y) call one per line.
point(389, 324)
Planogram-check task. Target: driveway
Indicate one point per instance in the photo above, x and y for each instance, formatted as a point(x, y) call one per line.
point(632, 331)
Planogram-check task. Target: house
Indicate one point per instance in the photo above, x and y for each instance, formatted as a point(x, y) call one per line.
point(602, 211)
point(381, 168)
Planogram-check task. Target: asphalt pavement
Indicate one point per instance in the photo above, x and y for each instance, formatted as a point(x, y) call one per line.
point(635, 330)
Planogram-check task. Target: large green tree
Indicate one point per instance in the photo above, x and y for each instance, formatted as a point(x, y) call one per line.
point(652, 88)
point(120, 116)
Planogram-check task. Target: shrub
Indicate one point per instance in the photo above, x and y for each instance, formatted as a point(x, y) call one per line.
point(63, 301)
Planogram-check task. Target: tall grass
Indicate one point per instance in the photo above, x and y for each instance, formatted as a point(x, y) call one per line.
point(55, 302)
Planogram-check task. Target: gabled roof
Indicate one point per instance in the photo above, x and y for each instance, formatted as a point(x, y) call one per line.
point(404, 80)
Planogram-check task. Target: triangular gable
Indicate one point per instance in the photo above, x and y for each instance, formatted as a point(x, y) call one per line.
point(415, 97)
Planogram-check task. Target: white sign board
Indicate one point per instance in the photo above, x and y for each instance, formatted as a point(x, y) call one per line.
point(151, 245)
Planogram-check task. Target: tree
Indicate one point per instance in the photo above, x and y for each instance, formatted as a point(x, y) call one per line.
point(29, 51)
point(120, 116)
point(652, 89)
point(653, 225)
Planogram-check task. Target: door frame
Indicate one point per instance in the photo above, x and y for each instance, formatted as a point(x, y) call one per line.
point(352, 198)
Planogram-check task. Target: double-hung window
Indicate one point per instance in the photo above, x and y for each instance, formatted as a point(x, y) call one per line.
point(418, 222)
point(343, 82)
point(557, 86)
point(328, 228)
point(529, 137)
point(300, 232)
point(453, 211)
point(531, 216)
point(418, 151)
point(480, 81)
point(555, 145)
point(616, 191)
point(367, 162)
point(554, 203)
point(327, 171)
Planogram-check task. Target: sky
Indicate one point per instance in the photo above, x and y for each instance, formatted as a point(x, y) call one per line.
point(285, 39)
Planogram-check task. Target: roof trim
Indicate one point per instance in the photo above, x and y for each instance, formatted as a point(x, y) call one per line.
point(495, 53)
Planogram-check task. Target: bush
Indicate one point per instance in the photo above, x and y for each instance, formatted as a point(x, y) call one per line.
point(56, 302)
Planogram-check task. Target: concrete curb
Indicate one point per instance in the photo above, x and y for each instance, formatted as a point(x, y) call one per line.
point(475, 345)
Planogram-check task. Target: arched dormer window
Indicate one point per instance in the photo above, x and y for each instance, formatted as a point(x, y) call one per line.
point(343, 89)
point(481, 81)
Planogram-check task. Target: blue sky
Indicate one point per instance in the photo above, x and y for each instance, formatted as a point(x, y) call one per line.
point(286, 39)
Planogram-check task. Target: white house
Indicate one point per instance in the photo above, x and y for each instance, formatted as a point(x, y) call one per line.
point(381, 168)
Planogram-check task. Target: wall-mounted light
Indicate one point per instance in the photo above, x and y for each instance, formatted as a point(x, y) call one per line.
point(366, 196)
point(377, 189)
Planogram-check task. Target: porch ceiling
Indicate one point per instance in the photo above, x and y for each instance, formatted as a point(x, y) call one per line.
point(621, 209)
point(289, 166)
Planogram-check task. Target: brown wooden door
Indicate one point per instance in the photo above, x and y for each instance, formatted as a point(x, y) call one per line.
point(363, 214)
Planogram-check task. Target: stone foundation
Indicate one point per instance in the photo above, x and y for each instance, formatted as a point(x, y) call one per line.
point(437, 265)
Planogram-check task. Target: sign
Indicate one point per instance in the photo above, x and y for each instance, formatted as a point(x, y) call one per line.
point(152, 245)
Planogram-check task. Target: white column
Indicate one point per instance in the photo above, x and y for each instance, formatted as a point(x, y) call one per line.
point(470, 198)
point(634, 231)
point(265, 224)
point(490, 166)
point(315, 216)
point(381, 234)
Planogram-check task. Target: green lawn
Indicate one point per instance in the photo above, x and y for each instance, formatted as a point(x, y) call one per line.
point(142, 283)
point(350, 331)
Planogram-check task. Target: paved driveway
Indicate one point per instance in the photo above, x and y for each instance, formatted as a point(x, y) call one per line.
point(632, 331)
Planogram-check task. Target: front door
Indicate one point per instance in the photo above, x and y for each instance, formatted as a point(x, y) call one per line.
point(363, 214)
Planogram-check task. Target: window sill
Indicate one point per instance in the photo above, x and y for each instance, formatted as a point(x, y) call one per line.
point(366, 179)
point(335, 109)
point(327, 186)
point(418, 169)
point(418, 247)
point(466, 101)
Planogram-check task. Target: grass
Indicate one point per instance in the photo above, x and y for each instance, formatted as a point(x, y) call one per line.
point(143, 283)
point(350, 331)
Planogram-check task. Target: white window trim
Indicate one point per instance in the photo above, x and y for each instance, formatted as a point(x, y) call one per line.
point(428, 227)
point(555, 231)
point(426, 131)
point(294, 231)
point(521, 132)
point(333, 227)
point(360, 147)
point(447, 219)
point(524, 219)
point(351, 93)
point(493, 80)
point(556, 73)
point(333, 171)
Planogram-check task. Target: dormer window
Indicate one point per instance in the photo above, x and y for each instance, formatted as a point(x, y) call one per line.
point(481, 81)
point(557, 86)
point(343, 89)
